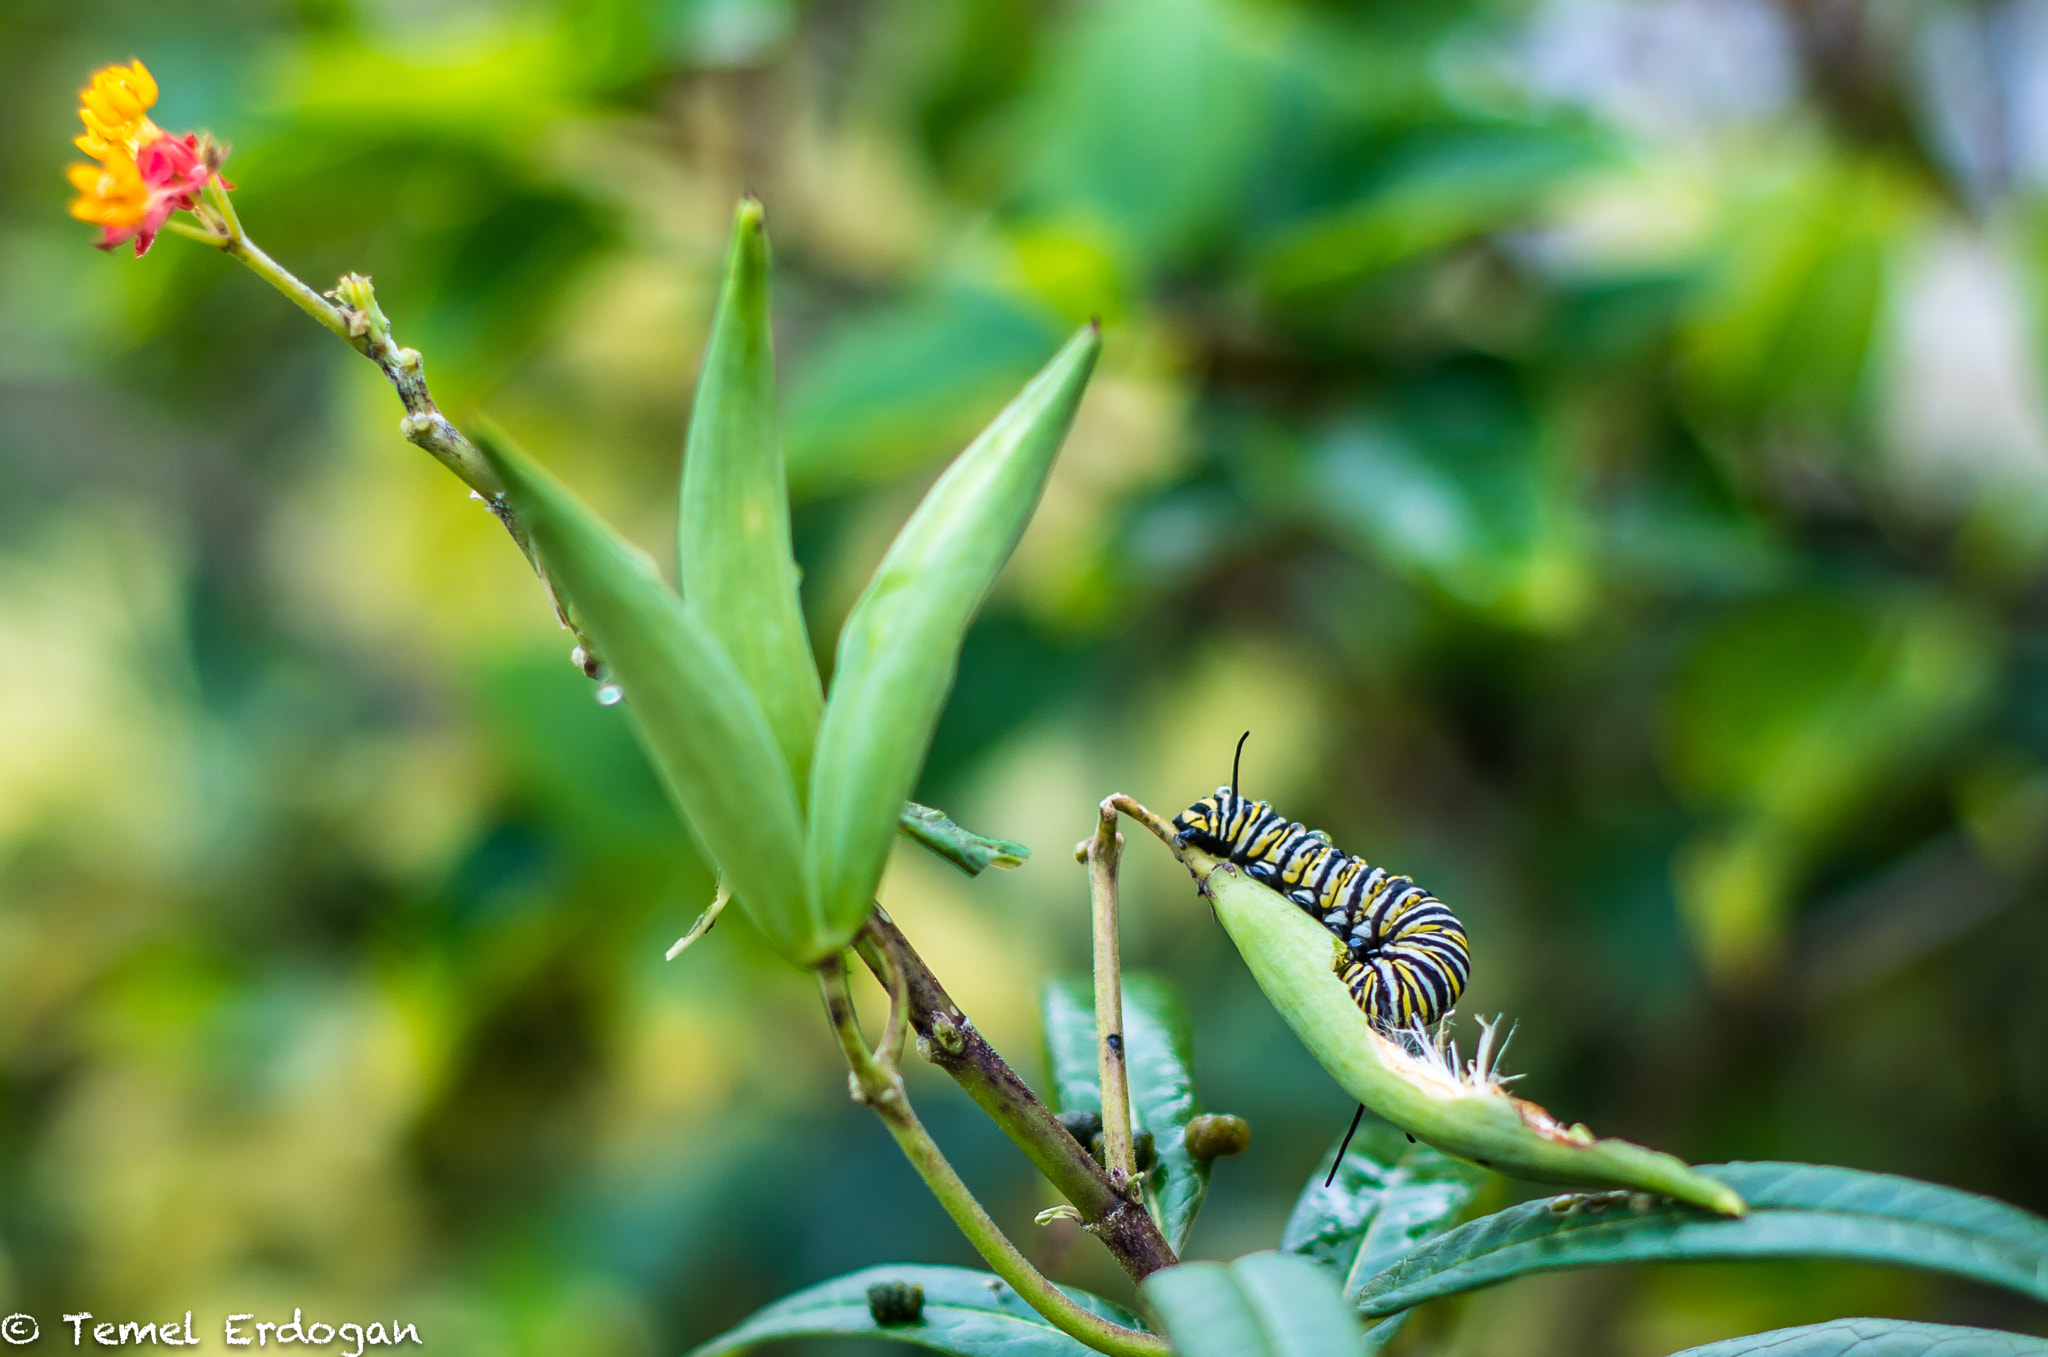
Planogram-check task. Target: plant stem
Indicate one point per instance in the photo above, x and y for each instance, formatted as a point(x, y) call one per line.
point(361, 325)
point(890, 1053)
point(950, 1041)
point(1103, 852)
point(281, 278)
point(880, 1085)
point(1162, 829)
point(353, 315)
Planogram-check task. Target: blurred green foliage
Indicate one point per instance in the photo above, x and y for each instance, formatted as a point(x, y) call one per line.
point(1600, 450)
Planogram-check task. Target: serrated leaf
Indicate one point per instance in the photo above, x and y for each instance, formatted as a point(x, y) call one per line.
point(1262, 1305)
point(1795, 1211)
point(732, 536)
point(693, 712)
point(1875, 1338)
point(971, 1313)
point(1159, 1056)
point(901, 644)
point(1387, 1196)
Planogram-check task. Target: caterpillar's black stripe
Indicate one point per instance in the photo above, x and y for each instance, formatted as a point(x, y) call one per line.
point(1405, 957)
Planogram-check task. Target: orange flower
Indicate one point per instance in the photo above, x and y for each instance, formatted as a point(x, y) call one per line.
point(110, 194)
point(113, 108)
point(144, 173)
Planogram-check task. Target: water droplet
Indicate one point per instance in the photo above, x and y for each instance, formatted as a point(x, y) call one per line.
point(610, 694)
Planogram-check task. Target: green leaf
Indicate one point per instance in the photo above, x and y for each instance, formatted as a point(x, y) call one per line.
point(699, 723)
point(1262, 1305)
point(1805, 715)
point(972, 853)
point(1067, 1007)
point(1154, 123)
point(1160, 1057)
point(1794, 315)
point(967, 1312)
point(1388, 1195)
point(1458, 488)
point(732, 537)
point(1875, 1338)
point(901, 644)
point(1795, 1211)
point(1438, 189)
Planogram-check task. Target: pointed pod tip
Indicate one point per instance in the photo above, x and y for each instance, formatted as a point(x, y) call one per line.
point(1085, 343)
point(1728, 1202)
point(751, 211)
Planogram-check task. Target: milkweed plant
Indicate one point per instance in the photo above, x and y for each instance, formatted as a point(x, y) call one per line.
point(795, 792)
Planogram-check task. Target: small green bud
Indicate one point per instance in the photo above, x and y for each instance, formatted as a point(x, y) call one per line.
point(357, 300)
point(1217, 1136)
point(946, 1034)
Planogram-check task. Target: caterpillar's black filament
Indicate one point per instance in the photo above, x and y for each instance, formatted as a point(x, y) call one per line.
point(1405, 958)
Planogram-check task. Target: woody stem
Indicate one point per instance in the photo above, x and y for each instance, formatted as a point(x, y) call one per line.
point(1102, 852)
point(950, 1041)
point(877, 1083)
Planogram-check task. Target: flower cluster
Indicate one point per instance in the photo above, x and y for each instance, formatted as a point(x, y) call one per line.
point(141, 173)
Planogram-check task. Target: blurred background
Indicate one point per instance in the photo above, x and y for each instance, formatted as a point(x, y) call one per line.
point(1598, 448)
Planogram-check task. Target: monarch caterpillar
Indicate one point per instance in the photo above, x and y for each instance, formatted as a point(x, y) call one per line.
point(1404, 954)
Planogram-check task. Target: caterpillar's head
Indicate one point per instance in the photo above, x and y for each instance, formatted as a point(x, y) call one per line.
point(1206, 824)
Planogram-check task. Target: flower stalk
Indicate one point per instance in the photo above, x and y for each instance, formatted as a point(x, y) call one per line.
point(877, 1081)
point(350, 311)
point(141, 175)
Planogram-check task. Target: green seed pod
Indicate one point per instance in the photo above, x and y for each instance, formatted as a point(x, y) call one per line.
point(1217, 1136)
point(1462, 1112)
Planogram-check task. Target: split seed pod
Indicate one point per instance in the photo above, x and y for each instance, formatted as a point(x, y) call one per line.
point(1461, 1112)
